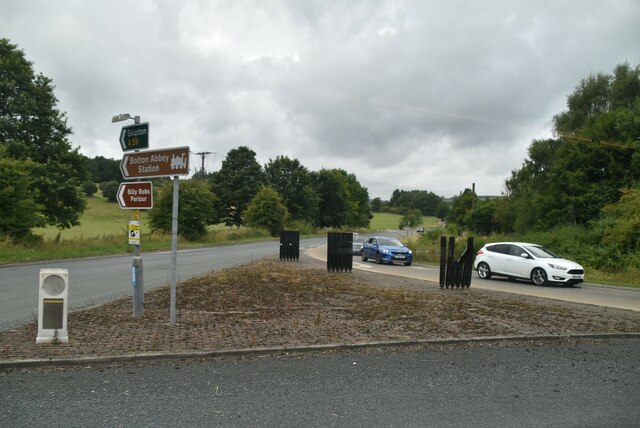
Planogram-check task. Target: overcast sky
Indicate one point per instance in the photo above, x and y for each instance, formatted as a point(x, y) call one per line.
point(428, 95)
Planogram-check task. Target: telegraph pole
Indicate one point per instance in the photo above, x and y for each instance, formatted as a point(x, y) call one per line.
point(203, 155)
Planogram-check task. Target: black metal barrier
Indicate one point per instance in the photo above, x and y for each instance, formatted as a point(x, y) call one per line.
point(339, 251)
point(289, 245)
point(455, 273)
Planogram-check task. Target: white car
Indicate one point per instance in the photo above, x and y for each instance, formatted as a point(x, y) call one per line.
point(520, 260)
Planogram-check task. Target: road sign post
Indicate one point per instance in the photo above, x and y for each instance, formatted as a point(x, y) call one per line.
point(155, 163)
point(135, 137)
point(137, 195)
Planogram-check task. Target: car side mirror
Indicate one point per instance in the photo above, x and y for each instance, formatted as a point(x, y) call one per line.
point(524, 255)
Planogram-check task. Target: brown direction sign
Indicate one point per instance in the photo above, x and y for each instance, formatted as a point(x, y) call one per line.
point(155, 163)
point(136, 195)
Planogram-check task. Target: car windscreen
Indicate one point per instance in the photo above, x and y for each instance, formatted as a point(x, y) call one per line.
point(541, 252)
point(392, 242)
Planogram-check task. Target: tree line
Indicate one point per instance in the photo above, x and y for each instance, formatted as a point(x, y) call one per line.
point(44, 181)
point(283, 193)
point(586, 178)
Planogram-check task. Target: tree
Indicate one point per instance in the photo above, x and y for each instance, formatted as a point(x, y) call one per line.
point(376, 205)
point(412, 218)
point(267, 210)
point(333, 209)
point(570, 178)
point(423, 200)
point(19, 210)
point(442, 210)
point(343, 200)
point(32, 128)
point(89, 188)
point(293, 182)
point(195, 208)
point(461, 206)
point(110, 190)
point(235, 184)
point(102, 169)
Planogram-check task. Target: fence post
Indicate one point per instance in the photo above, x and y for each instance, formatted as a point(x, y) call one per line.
point(289, 245)
point(455, 273)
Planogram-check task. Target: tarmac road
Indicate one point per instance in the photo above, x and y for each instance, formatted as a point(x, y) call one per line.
point(101, 279)
point(592, 294)
point(507, 384)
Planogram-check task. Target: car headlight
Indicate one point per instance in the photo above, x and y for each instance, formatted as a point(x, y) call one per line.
point(558, 267)
point(385, 250)
point(410, 252)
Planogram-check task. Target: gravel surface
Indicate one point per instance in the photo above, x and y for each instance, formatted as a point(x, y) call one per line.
point(270, 303)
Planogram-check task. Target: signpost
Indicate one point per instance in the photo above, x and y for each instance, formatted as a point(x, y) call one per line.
point(136, 195)
point(134, 232)
point(135, 137)
point(139, 195)
point(155, 163)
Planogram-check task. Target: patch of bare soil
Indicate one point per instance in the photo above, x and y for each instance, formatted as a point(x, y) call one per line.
point(273, 303)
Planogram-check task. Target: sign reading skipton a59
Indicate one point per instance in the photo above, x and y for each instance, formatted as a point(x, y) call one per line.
point(155, 163)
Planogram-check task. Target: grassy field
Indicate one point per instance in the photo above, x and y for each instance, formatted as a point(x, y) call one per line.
point(388, 221)
point(101, 218)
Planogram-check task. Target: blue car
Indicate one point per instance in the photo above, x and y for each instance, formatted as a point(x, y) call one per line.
point(386, 250)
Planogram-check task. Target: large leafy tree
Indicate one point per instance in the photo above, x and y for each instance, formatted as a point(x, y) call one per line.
point(195, 208)
point(33, 129)
point(294, 183)
point(236, 183)
point(267, 210)
point(596, 153)
point(343, 200)
point(425, 201)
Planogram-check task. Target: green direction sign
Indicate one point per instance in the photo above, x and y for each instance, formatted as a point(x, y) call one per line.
point(135, 137)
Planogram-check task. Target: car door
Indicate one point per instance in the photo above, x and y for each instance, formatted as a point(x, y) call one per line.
point(496, 257)
point(516, 265)
point(370, 248)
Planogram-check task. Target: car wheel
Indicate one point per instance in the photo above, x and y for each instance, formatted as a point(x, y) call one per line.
point(378, 259)
point(539, 276)
point(484, 271)
point(407, 263)
point(364, 258)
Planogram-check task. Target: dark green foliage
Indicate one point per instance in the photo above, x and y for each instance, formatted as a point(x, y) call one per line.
point(343, 201)
point(293, 182)
point(461, 205)
point(571, 178)
point(442, 210)
point(103, 169)
point(89, 188)
point(267, 210)
point(425, 201)
point(195, 208)
point(19, 210)
point(235, 184)
point(32, 128)
point(110, 190)
point(376, 205)
point(333, 207)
